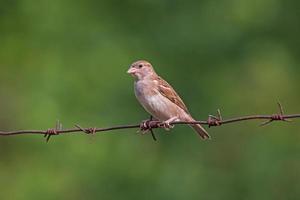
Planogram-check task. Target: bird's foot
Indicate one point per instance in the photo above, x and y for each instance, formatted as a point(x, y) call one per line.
point(167, 124)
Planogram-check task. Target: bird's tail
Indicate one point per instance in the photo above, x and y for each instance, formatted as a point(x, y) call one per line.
point(201, 131)
point(198, 128)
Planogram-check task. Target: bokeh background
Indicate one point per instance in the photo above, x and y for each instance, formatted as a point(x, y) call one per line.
point(67, 60)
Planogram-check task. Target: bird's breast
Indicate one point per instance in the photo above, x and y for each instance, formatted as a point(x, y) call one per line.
point(144, 93)
point(156, 104)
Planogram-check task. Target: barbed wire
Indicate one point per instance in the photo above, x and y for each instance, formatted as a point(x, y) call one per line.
point(148, 125)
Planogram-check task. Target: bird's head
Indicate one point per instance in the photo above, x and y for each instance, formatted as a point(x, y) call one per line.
point(141, 69)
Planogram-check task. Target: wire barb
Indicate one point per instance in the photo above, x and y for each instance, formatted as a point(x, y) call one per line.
point(87, 130)
point(153, 123)
point(215, 121)
point(151, 130)
point(153, 135)
point(277, 117)
point(53, 131)
point(147, 126)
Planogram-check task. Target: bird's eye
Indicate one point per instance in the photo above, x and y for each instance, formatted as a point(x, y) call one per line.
point(140, 66)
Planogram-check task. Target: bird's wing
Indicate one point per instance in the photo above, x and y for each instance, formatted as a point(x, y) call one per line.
point(167, 91)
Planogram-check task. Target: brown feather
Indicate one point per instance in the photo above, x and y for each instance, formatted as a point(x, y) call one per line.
point(167, 91)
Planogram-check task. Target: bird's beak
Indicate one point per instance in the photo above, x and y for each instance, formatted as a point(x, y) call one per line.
point(132, 70)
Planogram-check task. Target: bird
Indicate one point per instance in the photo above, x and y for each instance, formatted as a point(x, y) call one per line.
point(158, 97)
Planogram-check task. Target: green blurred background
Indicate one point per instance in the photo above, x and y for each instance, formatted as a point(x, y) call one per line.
point(67, 60)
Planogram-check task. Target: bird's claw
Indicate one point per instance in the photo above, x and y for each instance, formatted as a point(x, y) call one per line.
point(166, 125)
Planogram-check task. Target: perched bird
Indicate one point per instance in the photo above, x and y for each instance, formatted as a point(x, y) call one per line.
point(159, 98)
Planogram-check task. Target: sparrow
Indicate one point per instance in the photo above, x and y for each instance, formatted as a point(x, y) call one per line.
point(158, 97)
